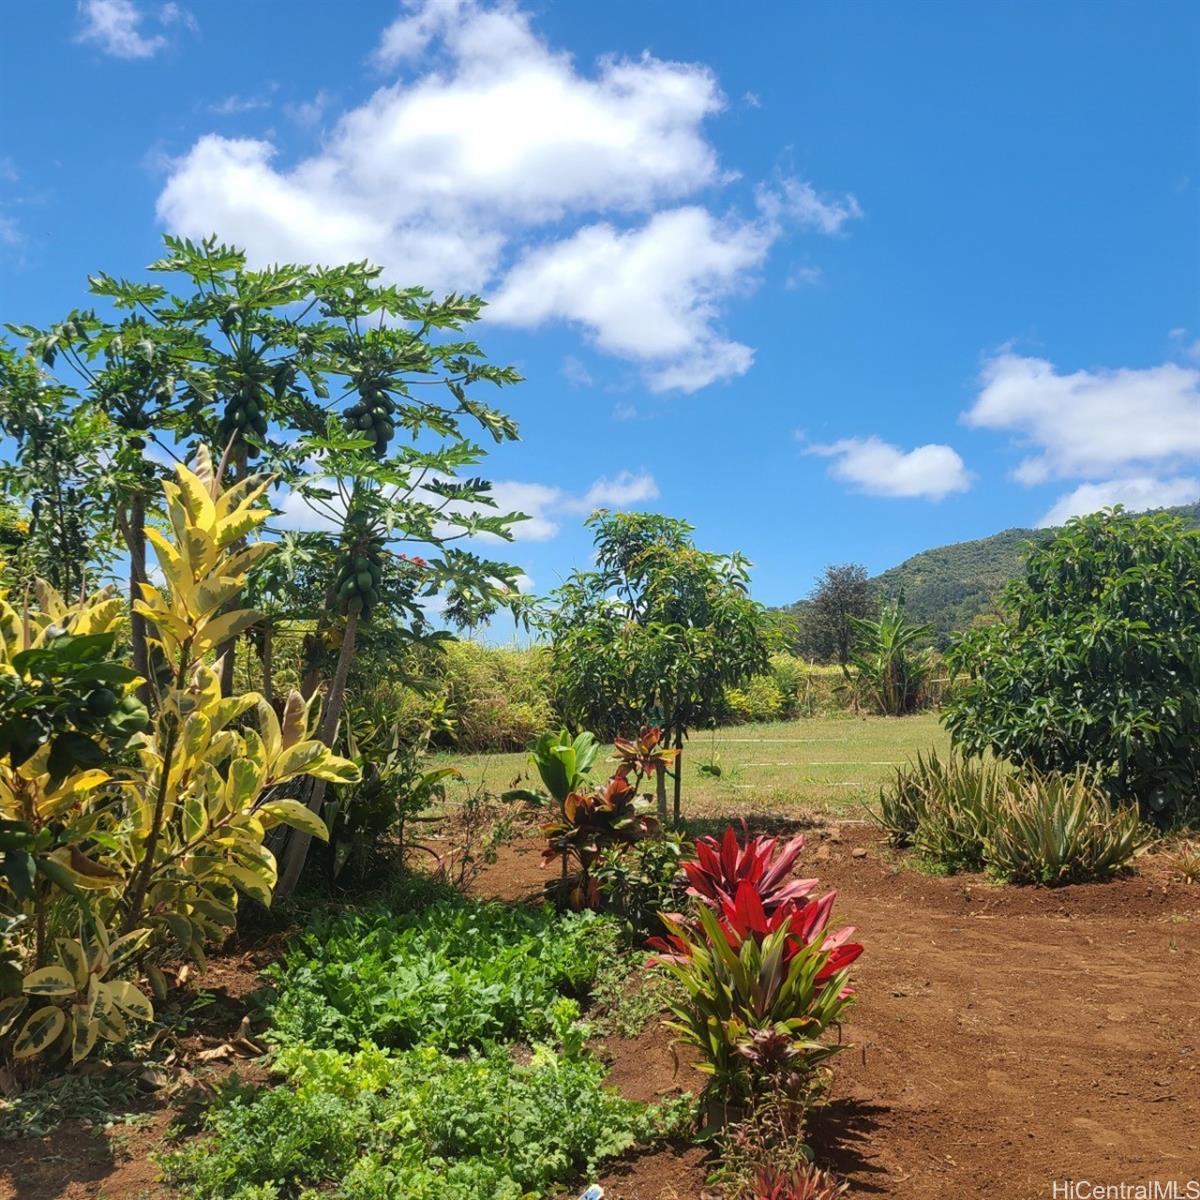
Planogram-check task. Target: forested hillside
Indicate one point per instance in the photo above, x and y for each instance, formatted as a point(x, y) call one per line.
point(948, 586)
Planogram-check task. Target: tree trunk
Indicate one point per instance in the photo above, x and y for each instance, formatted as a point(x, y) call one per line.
point(678, 770)
point(660, 785)
point(227, 652)
point(298, 843)
point(135, 538)
point(268, 661)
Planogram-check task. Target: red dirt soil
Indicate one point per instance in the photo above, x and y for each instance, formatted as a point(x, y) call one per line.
point(1002, 1038)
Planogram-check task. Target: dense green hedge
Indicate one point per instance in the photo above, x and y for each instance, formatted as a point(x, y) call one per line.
point(488, 698)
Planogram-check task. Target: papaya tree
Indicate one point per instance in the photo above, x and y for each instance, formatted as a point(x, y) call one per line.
point(390, 478)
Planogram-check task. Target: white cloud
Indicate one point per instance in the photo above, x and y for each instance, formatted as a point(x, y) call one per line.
point(1115, 423)
point(543, 503)
point(794, 202)
point(877, 467)
point(309, 112)
point(536, 500)
point(1136, 493)
point(650, 294)
point(233, 105)
point(493, 140)
point(619, 491)
point(575, 373)
point(114, 25)
point(803, 276)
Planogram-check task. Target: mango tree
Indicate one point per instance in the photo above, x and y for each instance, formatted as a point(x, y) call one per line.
point(656, 633)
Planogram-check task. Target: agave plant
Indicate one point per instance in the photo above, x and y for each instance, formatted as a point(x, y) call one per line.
point(1052, 828)
point(720, 867)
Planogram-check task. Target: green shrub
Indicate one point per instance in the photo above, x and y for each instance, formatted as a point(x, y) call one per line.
point(1025, 826)
point(1096, 662)
point(473, 697)
point(497, 698)
point(759, 700)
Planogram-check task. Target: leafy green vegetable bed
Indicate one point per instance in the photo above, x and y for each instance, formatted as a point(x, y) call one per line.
point(399, 1073)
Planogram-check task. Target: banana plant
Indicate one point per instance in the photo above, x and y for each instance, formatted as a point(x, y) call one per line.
point(563, 762)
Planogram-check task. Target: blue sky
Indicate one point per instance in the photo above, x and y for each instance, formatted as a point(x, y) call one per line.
point(832, 281)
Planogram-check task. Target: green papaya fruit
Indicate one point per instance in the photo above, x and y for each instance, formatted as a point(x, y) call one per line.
point(102, 702)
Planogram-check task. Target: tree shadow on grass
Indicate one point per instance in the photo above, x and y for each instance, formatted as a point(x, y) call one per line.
point(767, 824)
point(841, 1134)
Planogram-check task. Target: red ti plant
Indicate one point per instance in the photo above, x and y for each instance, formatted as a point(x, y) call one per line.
point(761, 989)
point(593, 822)
point(646, 757)
point(720, 867)
point(809, 1183)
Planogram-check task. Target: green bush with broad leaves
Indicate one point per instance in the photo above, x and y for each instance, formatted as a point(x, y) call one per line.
point(112, 866)
point(1096, 662)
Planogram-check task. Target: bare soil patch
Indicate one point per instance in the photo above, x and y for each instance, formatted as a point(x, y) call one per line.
point(85, 1162)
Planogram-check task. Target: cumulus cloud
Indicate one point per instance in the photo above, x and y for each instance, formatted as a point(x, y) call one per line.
point(649, 294)
point(544, 504)
point(1132, 434)
point(1090, 422)
point(877, 467)
point(618, 491)
point(1137, 494)
point(455, 175)
point(115, 26)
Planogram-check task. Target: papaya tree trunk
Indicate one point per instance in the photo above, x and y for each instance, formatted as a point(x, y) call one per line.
point(227, 651)
point(268, 661)
point(297, 847)
point(134, 528)
point(660, 786)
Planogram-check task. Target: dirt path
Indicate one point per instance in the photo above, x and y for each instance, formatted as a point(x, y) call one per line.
point(1003, 1038)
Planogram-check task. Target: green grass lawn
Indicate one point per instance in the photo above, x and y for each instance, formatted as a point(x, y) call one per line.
point(818, 765)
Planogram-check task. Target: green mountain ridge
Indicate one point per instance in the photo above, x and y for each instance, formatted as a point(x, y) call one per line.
point(949, 586)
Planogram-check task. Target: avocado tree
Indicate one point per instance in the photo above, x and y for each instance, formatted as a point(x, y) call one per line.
point(656, 633)
point(1096, 661)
